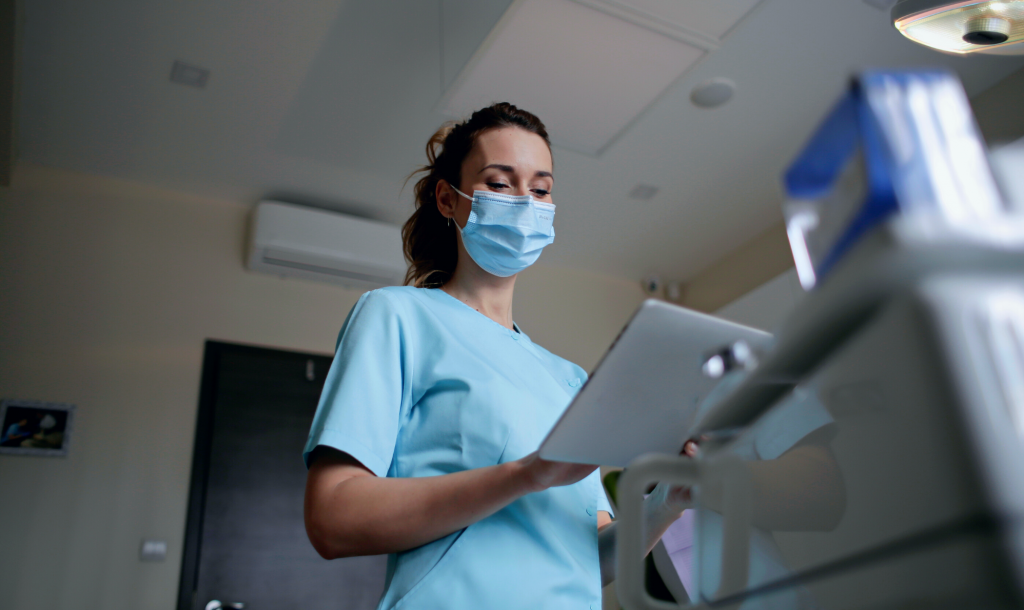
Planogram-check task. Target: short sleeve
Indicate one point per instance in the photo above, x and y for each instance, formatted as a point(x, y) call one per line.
point(361, 404)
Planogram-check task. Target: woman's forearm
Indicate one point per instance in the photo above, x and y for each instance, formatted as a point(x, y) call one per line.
point(349, 511)
point(369, 515)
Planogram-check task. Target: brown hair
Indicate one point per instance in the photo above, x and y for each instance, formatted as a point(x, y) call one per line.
point(428, 237)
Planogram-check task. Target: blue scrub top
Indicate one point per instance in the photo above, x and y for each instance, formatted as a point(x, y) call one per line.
point(424, 385)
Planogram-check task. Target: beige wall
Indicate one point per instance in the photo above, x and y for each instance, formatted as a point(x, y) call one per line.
point(9, 24)
point(107, 291)
point(767, 306)
point(742, 270)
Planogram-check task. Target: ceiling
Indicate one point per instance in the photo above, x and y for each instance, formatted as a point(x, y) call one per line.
point(330, 103)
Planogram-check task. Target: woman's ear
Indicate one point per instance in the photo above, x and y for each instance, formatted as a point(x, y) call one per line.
point(445, 197)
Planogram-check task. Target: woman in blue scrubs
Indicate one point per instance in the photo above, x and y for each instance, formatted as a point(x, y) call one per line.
point(423, 444)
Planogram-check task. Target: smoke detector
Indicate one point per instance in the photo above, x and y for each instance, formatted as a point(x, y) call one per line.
point(967, 26)
point(712, 93)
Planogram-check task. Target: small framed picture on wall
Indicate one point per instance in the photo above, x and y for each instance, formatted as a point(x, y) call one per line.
point(32, 427)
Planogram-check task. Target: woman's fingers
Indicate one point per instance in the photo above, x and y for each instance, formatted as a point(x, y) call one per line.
point(567, 474)
point(680, 496)
point(691, 449)
point(555, 474)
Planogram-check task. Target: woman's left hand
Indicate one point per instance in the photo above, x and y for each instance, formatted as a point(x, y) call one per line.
point(680, 497)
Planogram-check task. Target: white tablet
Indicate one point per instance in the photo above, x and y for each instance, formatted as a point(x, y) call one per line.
point(643, 395)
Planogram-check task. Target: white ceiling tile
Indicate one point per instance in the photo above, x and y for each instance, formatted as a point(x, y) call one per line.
point(711, 18)
point(587, 73)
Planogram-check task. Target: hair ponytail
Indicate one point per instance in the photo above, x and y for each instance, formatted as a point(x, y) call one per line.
point(428, 237)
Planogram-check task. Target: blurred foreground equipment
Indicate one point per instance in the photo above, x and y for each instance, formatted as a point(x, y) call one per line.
point(871, 459)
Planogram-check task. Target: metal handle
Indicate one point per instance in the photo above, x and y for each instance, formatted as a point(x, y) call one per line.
point(736, 516)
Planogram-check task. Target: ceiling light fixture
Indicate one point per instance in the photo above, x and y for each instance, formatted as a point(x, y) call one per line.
point(963, 26)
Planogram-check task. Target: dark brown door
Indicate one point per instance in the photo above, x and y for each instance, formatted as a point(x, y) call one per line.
point(245, 541)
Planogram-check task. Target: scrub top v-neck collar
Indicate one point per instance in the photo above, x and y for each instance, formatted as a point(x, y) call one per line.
point(515, 332)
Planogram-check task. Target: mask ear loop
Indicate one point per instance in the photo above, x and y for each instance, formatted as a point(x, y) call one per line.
point(461, 193)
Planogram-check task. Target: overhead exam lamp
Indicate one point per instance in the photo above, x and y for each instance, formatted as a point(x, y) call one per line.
point(993, 27)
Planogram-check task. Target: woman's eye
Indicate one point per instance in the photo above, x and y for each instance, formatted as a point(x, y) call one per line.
point(541, 192)
point(497, 185)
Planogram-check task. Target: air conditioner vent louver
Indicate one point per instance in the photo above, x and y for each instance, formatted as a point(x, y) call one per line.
point(293, 241)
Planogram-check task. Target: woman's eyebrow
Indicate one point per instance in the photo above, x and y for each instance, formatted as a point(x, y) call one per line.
point(504, 168)
point(511, 170)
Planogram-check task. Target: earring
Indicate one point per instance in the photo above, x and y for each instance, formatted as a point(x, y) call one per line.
point(449, 222)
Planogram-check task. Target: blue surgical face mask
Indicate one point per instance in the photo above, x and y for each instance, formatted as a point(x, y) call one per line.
point(506, 234)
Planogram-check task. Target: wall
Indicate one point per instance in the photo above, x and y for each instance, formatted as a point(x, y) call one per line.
point(740, 271)
point(766, 306)
point(109, 289)
point(9, 25)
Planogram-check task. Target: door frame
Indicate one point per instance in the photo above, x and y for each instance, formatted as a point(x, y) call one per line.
point(213, 351)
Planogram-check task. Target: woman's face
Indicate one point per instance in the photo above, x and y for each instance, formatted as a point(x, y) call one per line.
point(508, 160)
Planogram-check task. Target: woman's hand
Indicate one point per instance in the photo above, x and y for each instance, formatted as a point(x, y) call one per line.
point(680, 497)
point(543, 474)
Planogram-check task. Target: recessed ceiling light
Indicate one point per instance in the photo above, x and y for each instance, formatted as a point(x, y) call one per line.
point(713, 93)
point(186, 74)
point(643, 192)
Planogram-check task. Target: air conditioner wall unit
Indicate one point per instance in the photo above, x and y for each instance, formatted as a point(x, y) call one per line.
point(294, 241)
